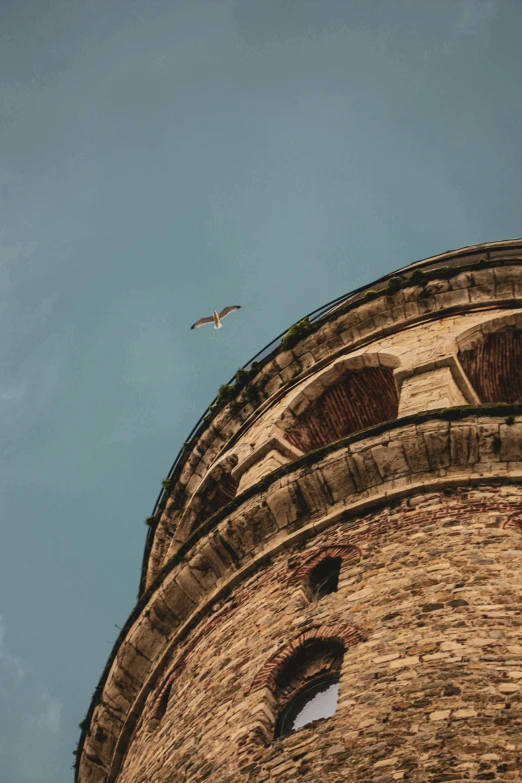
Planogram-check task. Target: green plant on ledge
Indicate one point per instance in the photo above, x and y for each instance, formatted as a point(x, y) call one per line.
point(297, 332)
point(228, 391)
point(150, 521)
point(168, 484)
point(394, 284)
point(225, 394)
point(417, 277)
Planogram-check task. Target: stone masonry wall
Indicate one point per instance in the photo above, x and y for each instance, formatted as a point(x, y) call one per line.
point(433, 693)
point(425, 510)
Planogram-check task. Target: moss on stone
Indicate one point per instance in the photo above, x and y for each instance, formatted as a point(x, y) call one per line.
point(417, 277)
point(298, 332)
point(394, 284)
point(226, 392)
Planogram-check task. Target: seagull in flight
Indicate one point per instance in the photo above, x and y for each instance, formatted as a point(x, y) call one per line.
point(216, 318)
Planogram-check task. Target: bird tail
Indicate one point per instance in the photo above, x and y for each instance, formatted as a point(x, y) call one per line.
point(218, 326)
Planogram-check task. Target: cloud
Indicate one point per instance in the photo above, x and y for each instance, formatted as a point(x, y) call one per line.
point(474, 15)
point(49, 718)
point(9, 664)
point(32, 721)
point(16, 251)
point(13, 394)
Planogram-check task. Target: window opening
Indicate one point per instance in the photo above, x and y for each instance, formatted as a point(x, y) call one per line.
point(318, 699)
point(493, 367)
point(324, 577)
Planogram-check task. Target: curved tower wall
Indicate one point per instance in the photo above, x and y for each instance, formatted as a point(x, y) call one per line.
point(389, 440)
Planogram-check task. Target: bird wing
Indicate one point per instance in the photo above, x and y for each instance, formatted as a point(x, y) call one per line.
point(202, 321)
point(228, 310)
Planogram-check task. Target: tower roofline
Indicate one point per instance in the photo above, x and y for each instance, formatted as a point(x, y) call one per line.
point(492, 251)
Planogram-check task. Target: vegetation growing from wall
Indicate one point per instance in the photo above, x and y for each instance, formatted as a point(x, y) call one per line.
point(297, 332)
point(420, 277)
point(230, 391)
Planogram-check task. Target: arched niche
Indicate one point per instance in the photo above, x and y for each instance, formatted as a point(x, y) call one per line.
point(217, 489)
point(309, 575)
point(350, 395)
point(491, 356)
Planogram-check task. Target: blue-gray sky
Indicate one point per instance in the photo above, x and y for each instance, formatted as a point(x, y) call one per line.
point(162, 158)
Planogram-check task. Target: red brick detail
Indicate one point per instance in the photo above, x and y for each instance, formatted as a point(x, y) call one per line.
point(349, 555)
point(513, 522)
point(346, 635)
point(493, 367)
point(361, 398)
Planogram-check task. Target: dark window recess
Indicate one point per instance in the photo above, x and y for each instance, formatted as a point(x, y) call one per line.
point(318, 699)
point(493, 367)
point(223, 491)
point(324, 577)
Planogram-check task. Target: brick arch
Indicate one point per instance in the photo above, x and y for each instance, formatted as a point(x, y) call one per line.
point(348, 553)
point(345, 635)
point(351, 394)
point(491, 356)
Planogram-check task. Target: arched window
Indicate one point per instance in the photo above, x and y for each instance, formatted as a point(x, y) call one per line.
point(225, 490)
point(318, 575)
point(356, 400)
point(306, 686)
point(493, 366)
point(300, 682)
point(217, 489)
point(324, 577)
point(317, 699)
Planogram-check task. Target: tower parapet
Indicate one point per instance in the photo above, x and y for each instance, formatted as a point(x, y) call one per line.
point(347, 519)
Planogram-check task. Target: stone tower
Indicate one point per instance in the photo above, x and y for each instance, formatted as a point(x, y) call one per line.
point(332, 580)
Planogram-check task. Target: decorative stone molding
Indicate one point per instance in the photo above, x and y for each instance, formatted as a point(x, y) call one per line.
point(472, 337)
point(271, 454)
point(437, 384)
point(371, 471)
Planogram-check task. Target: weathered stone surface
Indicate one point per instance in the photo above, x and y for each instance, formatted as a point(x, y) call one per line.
point(416, 673)
point(425, 627)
